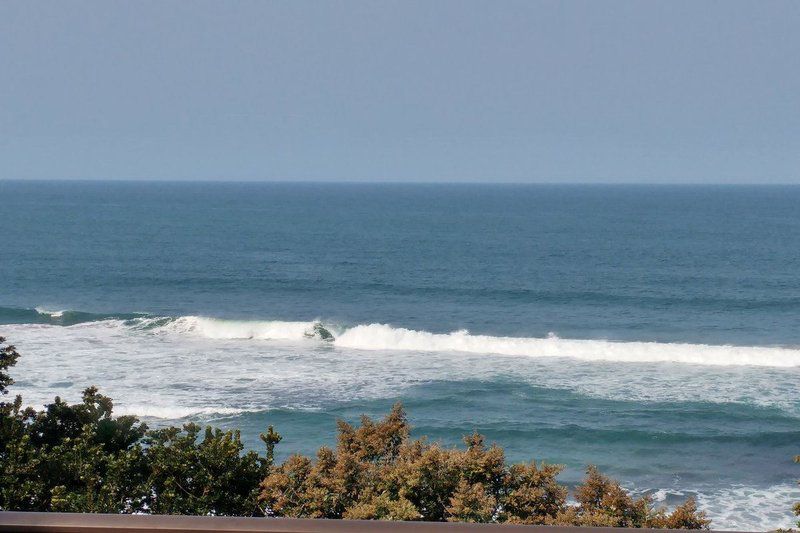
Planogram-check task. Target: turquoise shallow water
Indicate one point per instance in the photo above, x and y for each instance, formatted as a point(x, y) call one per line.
point(654, 331)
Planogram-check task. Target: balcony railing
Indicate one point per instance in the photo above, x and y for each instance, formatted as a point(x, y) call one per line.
point(89, 523)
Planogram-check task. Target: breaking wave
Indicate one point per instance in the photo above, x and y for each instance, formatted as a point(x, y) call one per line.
point(213, 328)
point(385, 337)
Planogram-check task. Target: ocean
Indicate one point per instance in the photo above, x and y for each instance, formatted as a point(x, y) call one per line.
point(651, 330)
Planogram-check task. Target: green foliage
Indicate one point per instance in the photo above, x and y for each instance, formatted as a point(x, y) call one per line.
point(376, 472)
point(797, 505)
point(70, 457)
point(209, 476)
point(8, 358)
point(80, 458)
point(602, 502)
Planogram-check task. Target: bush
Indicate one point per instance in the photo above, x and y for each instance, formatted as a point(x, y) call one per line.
point(377, 472)
point(797, 505)
point(8, 358)
point(80, 458)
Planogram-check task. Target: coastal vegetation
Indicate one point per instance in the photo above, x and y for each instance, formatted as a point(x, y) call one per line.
point(81, 458)
point(797, 505)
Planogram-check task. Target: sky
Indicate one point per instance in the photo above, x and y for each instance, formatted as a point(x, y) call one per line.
point(492, 91)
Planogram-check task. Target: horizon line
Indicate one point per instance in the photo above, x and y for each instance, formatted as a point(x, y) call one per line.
point(324, 181)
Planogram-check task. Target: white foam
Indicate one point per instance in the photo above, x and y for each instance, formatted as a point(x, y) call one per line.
point(239, 329)
point(385, 337)
point(172, 412)
point(738, 507)
point(746, 508)
point(208, 356)
point(50, 313)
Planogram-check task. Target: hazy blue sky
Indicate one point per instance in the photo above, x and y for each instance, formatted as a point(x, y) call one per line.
point(584, 91)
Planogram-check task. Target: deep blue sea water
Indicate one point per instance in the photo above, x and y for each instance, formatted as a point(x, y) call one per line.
point(652, 330)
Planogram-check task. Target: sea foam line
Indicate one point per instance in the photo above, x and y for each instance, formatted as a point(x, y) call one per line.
point(173, 412)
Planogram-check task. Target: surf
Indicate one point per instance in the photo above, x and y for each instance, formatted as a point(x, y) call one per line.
point(384, 337)
point(389, 338)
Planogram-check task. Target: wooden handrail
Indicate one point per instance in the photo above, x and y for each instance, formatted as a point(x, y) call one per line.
point(95, 523)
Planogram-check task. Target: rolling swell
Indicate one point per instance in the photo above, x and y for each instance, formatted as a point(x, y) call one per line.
point(701, 302)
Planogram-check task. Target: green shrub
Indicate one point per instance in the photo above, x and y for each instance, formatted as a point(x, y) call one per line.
point(797, 505)
point(377, 472)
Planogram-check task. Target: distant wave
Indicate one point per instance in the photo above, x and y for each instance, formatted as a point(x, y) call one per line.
point(58, 317)
point(385, 337)
point(51, 314)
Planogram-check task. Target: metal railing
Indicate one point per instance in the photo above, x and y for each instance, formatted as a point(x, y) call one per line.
point(95, 523)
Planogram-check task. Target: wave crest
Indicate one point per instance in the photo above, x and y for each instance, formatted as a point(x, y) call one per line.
point(213, 328)
point(385, 337)
point(49, 313)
